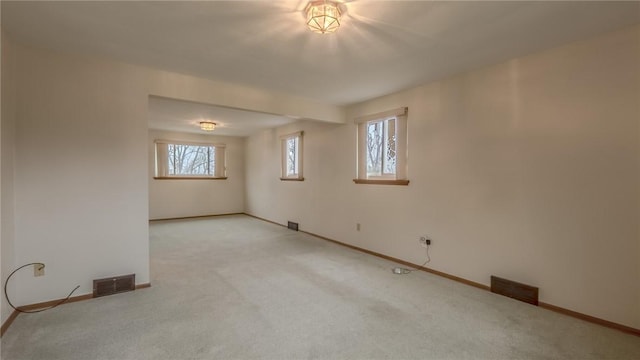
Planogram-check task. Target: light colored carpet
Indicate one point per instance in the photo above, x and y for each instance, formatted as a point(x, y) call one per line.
point(239, 288)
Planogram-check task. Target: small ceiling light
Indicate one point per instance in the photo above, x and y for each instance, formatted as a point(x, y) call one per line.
point(323, 16)
point(207, 125)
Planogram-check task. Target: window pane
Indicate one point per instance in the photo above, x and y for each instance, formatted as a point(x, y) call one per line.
point(212, 160)
point(375, 139)
point(191, 160)
point(292, 159)
point(390, 147)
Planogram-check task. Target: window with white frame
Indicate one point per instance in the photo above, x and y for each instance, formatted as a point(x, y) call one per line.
point(382, 148)
point(189, 160)
point(291, 150)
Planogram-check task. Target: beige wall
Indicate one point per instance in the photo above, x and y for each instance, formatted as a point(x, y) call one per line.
point(183, 198)
point(7, 234)
point(320, 197)
point(527, 170)
point(80, 173)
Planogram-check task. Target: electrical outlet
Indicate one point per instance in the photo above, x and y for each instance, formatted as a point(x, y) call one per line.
point(424, 241)
point(358, 227)
point(38, 269)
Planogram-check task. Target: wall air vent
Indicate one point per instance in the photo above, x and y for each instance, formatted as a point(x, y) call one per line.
point(114, 285)
point(292, 225)
point(514, 290)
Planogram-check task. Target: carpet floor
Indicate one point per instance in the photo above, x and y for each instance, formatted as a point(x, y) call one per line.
point(235, 287)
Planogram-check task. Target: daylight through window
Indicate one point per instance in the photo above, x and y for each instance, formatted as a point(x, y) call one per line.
point(291, 156)
point(189, 160)
point(382, 144)
point(381, 148)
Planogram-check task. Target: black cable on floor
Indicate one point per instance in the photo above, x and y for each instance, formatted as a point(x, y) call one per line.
point(6, 295)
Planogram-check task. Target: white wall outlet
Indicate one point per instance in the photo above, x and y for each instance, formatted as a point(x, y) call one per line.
point(423, 240)
point(38, 269)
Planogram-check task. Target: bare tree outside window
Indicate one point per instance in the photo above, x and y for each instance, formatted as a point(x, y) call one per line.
point(390, 147)
point(374, 148)
point(292, 158)
point(191, 160)
point(381, 148)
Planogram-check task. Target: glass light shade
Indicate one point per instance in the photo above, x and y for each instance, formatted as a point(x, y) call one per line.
point(207, 125)
point(323, 16)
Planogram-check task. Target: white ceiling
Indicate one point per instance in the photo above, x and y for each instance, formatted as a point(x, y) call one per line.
point(182, 116)
point(381, 47)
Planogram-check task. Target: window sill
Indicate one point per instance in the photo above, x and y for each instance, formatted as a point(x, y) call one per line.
point(291, 179)
point(381, 182)
point(188, 178)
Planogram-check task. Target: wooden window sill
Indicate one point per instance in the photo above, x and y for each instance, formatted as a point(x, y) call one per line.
point(291, 179)
point(188, 178)
point(381, 182)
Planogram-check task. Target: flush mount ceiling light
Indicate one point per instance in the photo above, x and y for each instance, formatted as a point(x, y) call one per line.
point(207, 125)
point(323, 17)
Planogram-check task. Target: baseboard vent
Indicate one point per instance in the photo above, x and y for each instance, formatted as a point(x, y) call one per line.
point(514, 290)
point(114, 285)
point(292, 225)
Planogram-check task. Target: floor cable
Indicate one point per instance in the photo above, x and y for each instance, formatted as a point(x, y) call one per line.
point(401, 270)
point(6, 294)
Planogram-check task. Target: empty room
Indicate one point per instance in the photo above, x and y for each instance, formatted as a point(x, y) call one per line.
point(300, 179)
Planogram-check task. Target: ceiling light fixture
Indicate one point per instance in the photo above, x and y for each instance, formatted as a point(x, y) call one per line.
point(207, 125)
point(323, 17)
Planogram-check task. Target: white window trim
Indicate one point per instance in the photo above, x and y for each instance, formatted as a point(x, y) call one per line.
point(283, 156)
point(162, 158)
point(400, 177)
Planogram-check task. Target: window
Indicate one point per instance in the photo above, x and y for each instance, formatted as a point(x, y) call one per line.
point(382, 148)
point(189, 160)
point(291, 149)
